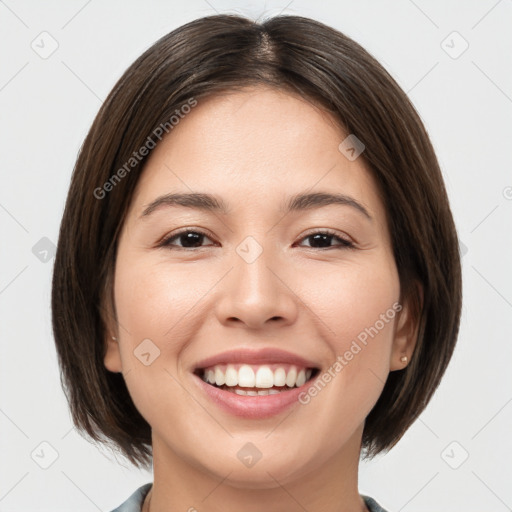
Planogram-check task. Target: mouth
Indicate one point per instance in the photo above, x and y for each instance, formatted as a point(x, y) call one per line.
point(254, 384)
point(246, 379)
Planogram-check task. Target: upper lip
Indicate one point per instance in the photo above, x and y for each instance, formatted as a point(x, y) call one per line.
point(261, 356)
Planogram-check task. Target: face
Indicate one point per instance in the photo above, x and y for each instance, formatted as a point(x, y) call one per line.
point(256, 295)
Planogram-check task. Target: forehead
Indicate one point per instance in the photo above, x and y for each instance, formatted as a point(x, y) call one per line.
point(255, 147)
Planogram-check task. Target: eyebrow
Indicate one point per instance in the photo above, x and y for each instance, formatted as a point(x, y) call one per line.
point(215, 204)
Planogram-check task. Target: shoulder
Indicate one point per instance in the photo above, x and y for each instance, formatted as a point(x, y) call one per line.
point(134, 502)
point(372, 505)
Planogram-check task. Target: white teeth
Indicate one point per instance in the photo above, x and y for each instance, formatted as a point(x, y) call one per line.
point(291, 378)
point(253, 393)
point(301, 378)
point(231, 376)
point(279, 377)
point(246, 377)
point(220, 377)
point(264, 377)
point(257, 376)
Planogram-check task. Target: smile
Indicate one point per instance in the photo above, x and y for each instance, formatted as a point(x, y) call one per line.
point(254, 384)
point(256, 380)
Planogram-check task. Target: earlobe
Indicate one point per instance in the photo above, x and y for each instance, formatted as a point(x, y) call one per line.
point(406, 331)
point(112, 359)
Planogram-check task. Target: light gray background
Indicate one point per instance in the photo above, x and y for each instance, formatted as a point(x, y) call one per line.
point(47, 106)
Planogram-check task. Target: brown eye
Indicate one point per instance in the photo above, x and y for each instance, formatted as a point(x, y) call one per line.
point(321, 240)
point(188, 238)
point(193, 239)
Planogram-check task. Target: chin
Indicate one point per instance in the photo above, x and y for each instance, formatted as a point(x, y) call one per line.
point(261, 476)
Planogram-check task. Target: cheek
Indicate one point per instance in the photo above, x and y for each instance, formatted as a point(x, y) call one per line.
point(357, 305)
point(154, 304)
point(352, 297)
point(153, 300)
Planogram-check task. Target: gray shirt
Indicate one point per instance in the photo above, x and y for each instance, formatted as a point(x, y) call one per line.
point(134, 502)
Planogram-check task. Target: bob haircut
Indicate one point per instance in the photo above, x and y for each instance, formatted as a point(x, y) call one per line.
point(222, 54)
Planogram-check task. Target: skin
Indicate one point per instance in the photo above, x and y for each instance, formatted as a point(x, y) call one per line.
point(255, 148)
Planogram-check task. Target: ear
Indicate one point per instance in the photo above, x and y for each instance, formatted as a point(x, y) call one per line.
point(112, 359)
point(406, 329)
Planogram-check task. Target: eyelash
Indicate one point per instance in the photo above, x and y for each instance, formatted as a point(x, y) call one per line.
point(344, 243)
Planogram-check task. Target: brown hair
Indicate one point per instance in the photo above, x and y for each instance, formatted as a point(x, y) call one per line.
point(224, 53)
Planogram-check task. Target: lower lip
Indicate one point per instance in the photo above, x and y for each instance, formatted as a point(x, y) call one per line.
point(254, 407)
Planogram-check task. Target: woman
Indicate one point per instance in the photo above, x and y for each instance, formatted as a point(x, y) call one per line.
point(257, 278)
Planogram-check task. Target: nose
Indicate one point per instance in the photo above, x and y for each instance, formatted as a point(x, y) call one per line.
point(258, 293)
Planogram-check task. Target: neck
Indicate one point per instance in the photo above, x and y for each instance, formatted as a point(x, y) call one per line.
point(330, 486)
